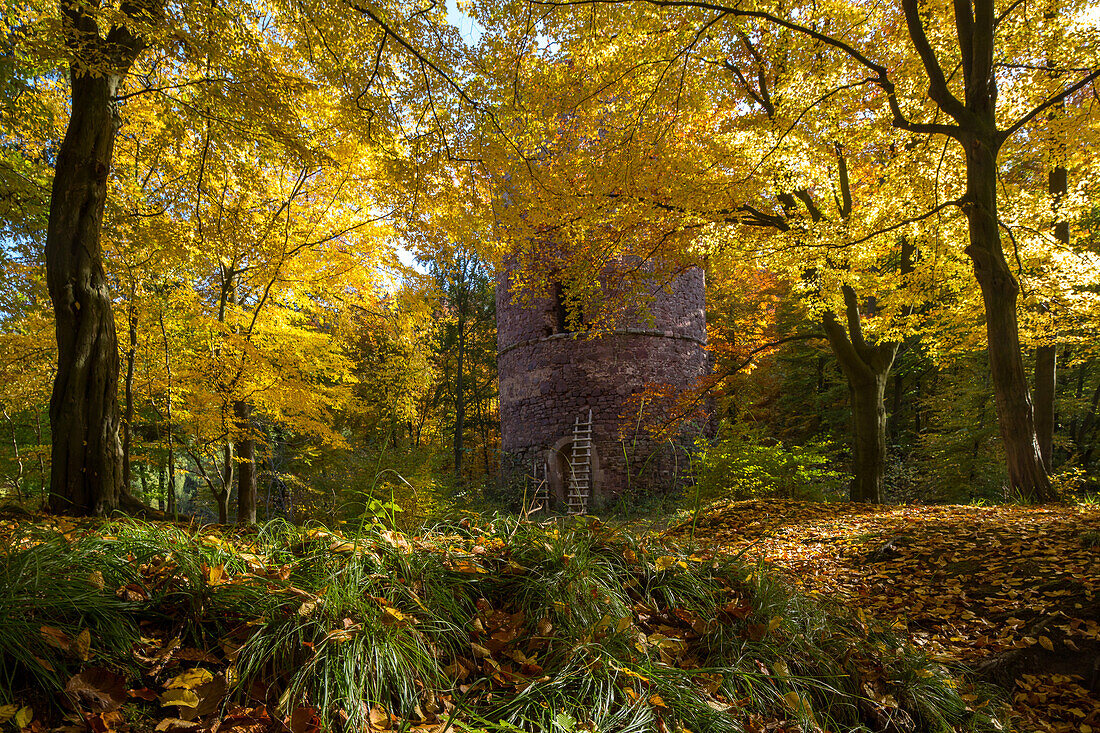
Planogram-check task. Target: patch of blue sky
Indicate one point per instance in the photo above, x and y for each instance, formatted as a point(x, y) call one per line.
point(470, 29)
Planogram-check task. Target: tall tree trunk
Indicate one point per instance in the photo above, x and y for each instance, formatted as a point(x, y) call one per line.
point(143, 479)
point(170, 459)
point(893, 422)
point(86, 469)
point(246, 464)
point(483, 422)
point(228, 472)
point(1087, 424)
point(128, 423)
point(269, 494)
point(918, 407)
point(227, 299)
point(1078, 390)
point(866, 368)
point(869, 435)
point(283, 506)
point(43, 475)
point(460, 395)
point(1046, 355)
point(976, 131)
point(1026, 473)
point(1046, 376)
point(18, 456)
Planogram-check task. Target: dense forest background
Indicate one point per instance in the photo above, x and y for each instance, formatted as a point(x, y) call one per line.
point(362, 423)
point(261, 192)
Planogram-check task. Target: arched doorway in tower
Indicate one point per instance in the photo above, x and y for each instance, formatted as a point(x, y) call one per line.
point(558, 466)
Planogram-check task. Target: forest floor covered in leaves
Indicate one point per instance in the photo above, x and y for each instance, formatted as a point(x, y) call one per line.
point(127, 626)
point(1010, 592)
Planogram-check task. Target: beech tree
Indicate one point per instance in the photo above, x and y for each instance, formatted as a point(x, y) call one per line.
point(86, 461)
point(256, 69)
point(264, 250)
point(653, 61)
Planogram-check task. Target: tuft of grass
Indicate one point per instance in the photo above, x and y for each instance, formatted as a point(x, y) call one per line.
point(351, 627)
point(572, 625)
point(56, 589)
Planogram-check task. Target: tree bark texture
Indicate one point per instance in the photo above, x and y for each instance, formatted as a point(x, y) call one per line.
point(1027, 475)
point(246, 464)
point(866, 368)
point(869, 435)
point(86, 469)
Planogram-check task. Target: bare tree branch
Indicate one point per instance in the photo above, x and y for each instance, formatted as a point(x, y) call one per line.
point(911, 220)
point(937, 87)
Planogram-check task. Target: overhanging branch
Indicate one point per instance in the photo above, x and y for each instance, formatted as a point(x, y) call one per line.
point(1053, 100)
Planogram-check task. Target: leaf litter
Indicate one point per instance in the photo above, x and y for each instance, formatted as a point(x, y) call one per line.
point(1009, 591)
point(584, 622)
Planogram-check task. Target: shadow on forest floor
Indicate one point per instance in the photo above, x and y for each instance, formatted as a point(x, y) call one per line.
point(1010, 591)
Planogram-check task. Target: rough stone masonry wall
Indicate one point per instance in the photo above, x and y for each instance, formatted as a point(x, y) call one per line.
point(548, 379)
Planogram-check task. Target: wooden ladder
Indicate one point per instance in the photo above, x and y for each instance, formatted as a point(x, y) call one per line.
point(580, 466)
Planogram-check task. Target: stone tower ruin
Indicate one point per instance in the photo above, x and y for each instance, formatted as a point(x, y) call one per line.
point(566, 398)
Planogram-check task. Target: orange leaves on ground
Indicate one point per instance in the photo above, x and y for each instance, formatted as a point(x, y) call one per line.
point(79, 646)
point(96, 689)
point(1056, 702)
point(968, 584)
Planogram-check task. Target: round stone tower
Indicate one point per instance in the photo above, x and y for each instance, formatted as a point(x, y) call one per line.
point(569, 401)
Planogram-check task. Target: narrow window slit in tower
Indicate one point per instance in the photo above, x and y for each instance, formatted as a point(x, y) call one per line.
point(561, 310)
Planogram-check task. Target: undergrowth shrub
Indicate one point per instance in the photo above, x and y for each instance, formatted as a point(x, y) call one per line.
point(741, 464)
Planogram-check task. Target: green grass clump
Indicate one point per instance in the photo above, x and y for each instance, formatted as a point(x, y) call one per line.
point(357, 628)
point(503, 626)
point(55, 590)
